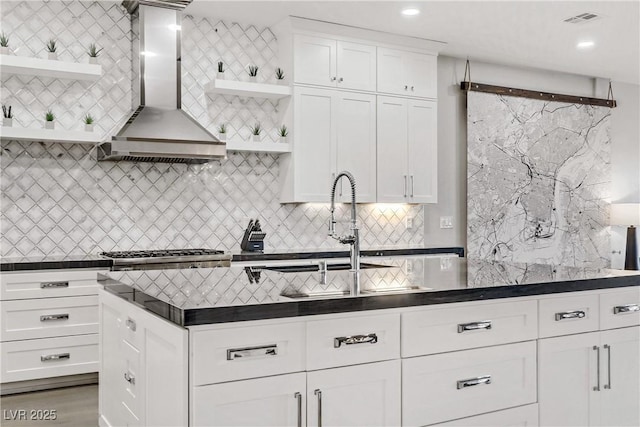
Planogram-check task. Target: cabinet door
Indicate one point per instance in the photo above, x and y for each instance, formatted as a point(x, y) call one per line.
point(391, 72)
point(392, 150)
point(423, 151)
point(567, 375)
point(361, 395)
point(421, 74)
point(356, 66)
point(314, 61)
point(620, 376)
point(270, 401)
point(355, 121)
point(313, 139)
point(111, 366)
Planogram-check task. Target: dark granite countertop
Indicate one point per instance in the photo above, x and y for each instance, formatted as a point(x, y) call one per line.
point(54, 262)
point(205, 296)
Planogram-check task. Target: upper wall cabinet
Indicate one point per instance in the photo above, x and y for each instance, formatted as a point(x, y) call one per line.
point(407, 73)
point(332, 63)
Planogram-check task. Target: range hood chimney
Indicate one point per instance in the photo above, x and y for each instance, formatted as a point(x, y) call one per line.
point(158, 130)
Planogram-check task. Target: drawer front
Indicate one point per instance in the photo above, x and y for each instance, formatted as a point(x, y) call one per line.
point(352, 340)
point(449, 386)
point(235, 353)
point(522, 416)
point(568, 315)
point(457, 328)
point(48, 317)
point(48, 284)
point(49, 357)
point(620, 309)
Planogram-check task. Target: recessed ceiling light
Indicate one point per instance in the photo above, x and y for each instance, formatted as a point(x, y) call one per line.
point(410, 11)
point(586, 44)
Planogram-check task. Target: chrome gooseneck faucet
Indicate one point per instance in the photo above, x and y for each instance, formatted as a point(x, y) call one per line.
point(352, 239)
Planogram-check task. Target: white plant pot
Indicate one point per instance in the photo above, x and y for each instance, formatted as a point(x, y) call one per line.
point(282, 82)
point(7, 122)
point(283, 139)
point(256, 138)
point(52, 55)
point(222, 136)
point(220, 76)
point(49, 125)
point(253, 79)
point(4, 50)
point(93, 60)
point(88, 127)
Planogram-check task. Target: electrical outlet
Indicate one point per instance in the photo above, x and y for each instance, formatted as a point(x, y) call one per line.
point(408, 222)
point(446, 222)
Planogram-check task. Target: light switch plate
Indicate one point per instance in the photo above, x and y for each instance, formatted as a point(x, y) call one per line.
point(446, 222)
point(408, 222)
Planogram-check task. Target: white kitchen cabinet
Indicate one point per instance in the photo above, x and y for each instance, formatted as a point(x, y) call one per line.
point(334, 131)
point(361, 395)
point(407, 73)
point(407, 150)
point(332, 63)
point(521, 416)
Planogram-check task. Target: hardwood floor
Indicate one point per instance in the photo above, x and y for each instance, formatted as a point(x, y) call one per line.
point(74, 407)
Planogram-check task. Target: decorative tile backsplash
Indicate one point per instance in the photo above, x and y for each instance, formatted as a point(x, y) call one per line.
point(56, 199)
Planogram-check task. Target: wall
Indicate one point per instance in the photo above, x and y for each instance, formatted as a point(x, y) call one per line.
point(452, 137)
point(56, 199)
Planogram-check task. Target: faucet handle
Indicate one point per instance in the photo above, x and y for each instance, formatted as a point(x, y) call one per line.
point(347, 240)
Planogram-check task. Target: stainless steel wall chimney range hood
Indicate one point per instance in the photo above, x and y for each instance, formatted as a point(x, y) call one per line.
point(158, 130)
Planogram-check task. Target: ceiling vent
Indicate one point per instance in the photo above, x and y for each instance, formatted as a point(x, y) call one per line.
point(582, 18)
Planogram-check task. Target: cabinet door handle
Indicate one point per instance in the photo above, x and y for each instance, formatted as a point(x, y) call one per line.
point(47, 285)
point(627, 308)
point(411, 185)
point(405, 185)
point(318, 393)
point(340, 80)
point(411, 88)
point(577, 314)
point(48, 317)
point(130, 378)
point(298, 397)
point(607, 386)
point(355, 339)
point(50, 357)
point(265, 350)
point(597, 386)
point(474, 326)
point(131, 324)
point(406, 87)
point(333, 79)
point(485, 379)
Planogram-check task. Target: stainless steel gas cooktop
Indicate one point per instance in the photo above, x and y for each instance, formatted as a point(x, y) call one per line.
point(168, 259)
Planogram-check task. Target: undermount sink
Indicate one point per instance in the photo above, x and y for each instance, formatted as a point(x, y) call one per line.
point(315, 267)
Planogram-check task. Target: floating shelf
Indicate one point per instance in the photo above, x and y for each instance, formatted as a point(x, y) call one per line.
point(11, 64)
point(48, 135)
point(247, 89)
point(258, 147)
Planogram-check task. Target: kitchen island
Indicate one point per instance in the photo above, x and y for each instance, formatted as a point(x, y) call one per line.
point(432, 340)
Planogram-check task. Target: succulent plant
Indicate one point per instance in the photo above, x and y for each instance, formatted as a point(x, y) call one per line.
point(4, 40)
point(283, 131)
point(93, 51)
point(222, 128)
point(253, 70)
point(88, 119)
point(49, 116)
point(6, 112)
point(220, 67)
point(279, 74)
point(256, 129)
point(51, 46)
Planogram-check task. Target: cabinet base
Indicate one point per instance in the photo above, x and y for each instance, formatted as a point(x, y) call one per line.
point(48, 383)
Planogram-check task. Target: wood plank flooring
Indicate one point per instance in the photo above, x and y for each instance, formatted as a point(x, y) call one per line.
point(74, 406)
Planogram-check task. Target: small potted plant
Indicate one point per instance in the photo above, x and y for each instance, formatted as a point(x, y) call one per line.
point(283, 132)
point(49, 117)
point(7, 116)
point(280, 76)
point(220, 74)
point(51, 49)
point(253, 73)
point(222, 132)
point(88, 123)
point(255, 131)
point(4, 44)
point(93, 53)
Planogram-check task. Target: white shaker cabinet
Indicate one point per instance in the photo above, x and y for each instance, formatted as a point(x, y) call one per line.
point(340, 64)
point(407, 73)
point(407, 150)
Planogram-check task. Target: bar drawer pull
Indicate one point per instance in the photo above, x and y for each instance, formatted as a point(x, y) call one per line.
point(474, 326)
point(577, 314)
point(50, 357)
point(486, 379)
point(131, 324)
point(47, 285)
point(130, 378)
point(627, 308)
point(48, 317)
point(265, 350)
point(355, 339)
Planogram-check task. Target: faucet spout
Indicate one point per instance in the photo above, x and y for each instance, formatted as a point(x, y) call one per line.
point(352, 239)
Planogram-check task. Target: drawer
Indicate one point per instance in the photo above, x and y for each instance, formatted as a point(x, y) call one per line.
point(449, 386)
point(568, 315)
point(522, 416)
point(234, 353)
point(619, 309)
point(48, 357)
point(437, 330)
point(352, 340)
point(48, 317)
point(49, 283)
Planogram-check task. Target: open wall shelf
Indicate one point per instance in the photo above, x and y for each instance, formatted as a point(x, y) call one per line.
point(247, 89)
point(22, 65)
point(237, 144)
point(49, 135)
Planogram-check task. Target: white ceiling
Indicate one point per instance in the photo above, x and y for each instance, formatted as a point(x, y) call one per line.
point(516, 32)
